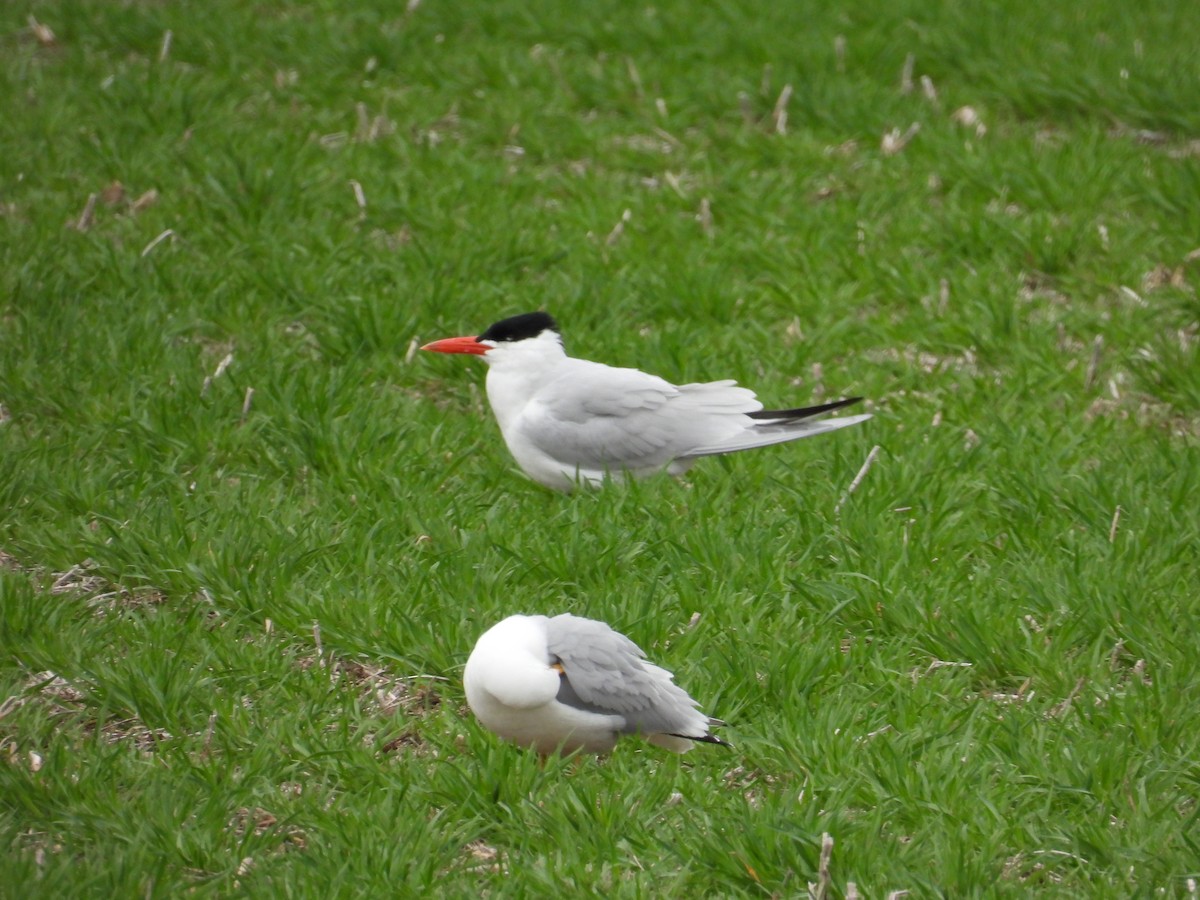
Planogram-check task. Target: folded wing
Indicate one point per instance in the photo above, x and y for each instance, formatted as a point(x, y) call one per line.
point(599, 417)
point(606, 672)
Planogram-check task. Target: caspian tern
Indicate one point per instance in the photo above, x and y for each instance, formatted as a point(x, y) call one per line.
point(566, 684)
point(569, 420)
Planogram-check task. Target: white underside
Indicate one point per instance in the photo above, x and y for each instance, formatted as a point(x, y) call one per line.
point(553, 473)
point(552, 727)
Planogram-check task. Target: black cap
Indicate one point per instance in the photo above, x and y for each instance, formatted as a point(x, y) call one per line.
point(517, 328)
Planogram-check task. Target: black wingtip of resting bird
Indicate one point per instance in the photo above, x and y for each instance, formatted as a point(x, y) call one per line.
point(706, 739)
point(804, 412)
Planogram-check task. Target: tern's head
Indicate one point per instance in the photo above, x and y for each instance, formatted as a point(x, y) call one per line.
point(529, 334)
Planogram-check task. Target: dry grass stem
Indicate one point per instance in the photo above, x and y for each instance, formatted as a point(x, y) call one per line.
point(858, 479)
point(779, 114)
point(820, 890)
point(169, 233)
point(208, 732)
point(1089, 378)
point(246, 401)
point(936, 664)
point(895, 141)
point(41, 33)
point(1063, 705)
point(1115, 655)
point(968, 117)
point(224, 364)
point(87, 216)
point(873, 734)
point(618, 229)
point(705, 218)
point(144, 202)
point(674, 184)
point(316, 631)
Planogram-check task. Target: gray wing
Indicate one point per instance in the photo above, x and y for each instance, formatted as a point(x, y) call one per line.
point(604, 671)
point(763, 435)
point(596, 416)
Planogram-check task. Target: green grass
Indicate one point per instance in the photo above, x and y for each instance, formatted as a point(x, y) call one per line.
point(979, 675)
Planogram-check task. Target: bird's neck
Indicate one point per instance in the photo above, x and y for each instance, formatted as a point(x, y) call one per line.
point(513, 379)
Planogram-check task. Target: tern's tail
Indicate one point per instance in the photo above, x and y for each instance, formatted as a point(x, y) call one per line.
point(776, 426)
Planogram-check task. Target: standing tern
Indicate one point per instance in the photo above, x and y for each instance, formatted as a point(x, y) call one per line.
point(569, 420)
point(566, 684)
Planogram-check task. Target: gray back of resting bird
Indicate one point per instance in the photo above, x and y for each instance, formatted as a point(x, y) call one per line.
point(606, 672)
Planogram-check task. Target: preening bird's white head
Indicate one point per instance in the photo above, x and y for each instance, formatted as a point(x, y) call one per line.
point(516, 637)
point(526, 340)
point(510, 665)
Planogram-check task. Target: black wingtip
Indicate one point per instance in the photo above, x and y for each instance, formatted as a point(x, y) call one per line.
point(804, 412)
point(706, 739)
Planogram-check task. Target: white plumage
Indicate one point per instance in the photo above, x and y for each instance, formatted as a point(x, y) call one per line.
point(567, 683)
point(569, 420)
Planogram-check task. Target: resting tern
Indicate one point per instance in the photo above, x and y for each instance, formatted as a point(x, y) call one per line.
point(569, 420)
point(567, 683)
